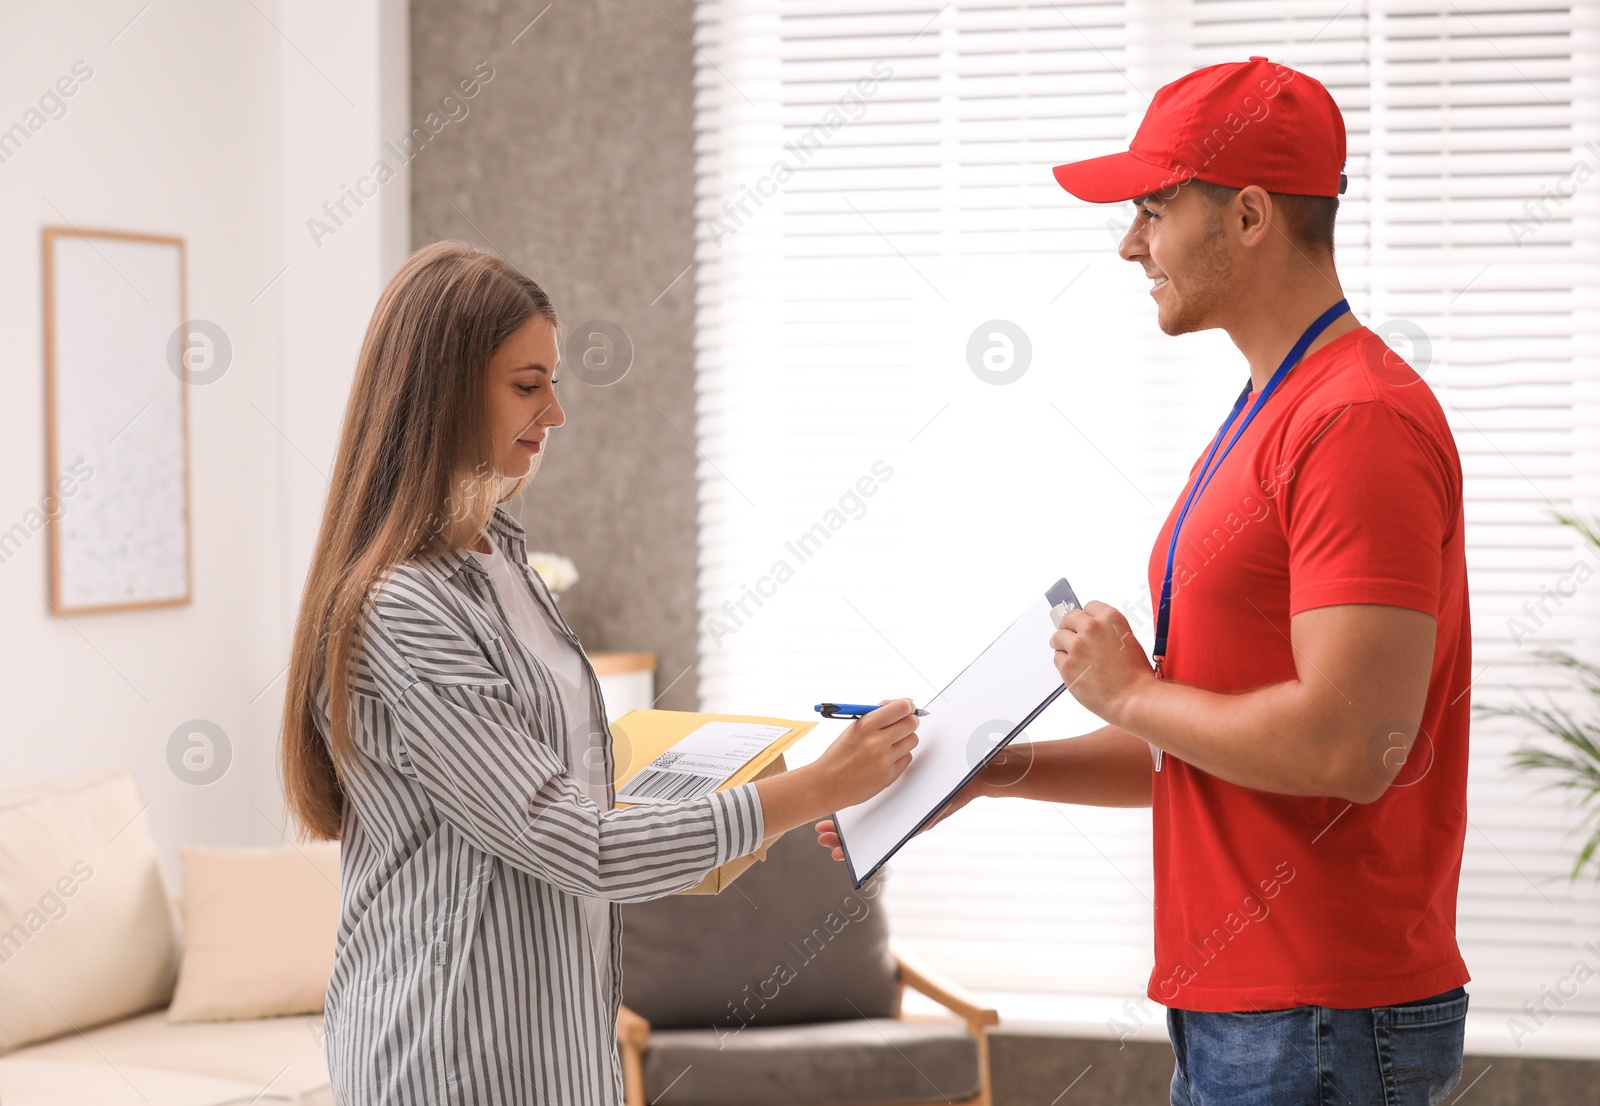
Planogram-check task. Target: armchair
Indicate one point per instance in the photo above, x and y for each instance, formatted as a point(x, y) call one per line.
point(785, 990)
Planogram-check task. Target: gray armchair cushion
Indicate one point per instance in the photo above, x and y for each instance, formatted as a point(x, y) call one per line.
point(789, 942)
point(875, 1060)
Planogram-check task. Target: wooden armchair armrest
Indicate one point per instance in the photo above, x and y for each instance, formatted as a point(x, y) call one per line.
point(633, 1034)
point(632, 1030)
point(919, 977)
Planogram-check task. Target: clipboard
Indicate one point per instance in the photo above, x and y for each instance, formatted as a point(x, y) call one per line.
point(977, 714)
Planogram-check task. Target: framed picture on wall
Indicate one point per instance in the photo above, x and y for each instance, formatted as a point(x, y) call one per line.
point(116, 420)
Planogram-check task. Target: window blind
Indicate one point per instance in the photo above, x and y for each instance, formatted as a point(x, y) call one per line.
point(927, 386)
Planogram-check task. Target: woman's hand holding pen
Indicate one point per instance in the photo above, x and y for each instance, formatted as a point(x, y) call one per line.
point(868, 756)
point(872, 753)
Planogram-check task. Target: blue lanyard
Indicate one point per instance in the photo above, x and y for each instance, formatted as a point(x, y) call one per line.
point(1207, 470)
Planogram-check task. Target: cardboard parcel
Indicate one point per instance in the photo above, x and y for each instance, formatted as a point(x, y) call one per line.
point(640, 736)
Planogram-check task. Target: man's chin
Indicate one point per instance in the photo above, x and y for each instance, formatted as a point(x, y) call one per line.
point(1176, 321)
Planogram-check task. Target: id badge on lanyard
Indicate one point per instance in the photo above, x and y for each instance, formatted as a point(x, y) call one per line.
point(1209, 469)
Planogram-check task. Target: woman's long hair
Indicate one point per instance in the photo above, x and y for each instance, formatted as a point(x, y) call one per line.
point(414, 477)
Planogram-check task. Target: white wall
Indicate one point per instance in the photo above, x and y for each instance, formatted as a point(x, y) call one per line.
point(218, 123)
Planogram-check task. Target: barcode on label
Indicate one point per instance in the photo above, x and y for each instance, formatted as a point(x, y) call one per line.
point(667, 786)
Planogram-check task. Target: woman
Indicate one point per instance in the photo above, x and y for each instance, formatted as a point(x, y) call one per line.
point(443, 723)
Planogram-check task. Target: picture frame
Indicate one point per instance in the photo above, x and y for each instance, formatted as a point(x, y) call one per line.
point(117, 368)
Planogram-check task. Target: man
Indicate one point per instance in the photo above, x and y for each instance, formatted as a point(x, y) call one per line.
point(1303, 738)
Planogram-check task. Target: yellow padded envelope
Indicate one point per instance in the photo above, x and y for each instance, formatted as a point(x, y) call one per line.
point(640, 736)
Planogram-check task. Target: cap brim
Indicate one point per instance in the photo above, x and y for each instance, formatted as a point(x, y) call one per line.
point(1116, 177)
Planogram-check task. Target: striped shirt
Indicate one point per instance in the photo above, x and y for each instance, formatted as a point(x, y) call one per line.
point(462, 970)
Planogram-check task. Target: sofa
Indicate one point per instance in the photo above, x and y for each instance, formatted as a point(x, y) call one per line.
point(88, 981)
point(101, 1001)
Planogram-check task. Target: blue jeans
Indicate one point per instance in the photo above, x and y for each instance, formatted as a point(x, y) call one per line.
point(1403, 1055)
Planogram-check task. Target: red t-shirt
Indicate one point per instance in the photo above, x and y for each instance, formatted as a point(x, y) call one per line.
point(1346, 488)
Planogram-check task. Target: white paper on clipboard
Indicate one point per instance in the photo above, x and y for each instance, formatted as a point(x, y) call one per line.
point(971, 720)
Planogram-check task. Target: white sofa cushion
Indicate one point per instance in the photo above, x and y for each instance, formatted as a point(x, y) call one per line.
point(280, 1059)
point(50, 1083)
point(259, 928)
point(86, 928)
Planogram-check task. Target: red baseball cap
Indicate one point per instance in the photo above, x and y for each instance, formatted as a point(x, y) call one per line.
point(1235, 124)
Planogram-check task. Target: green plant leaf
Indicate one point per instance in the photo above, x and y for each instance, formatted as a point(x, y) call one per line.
point(1574, 762)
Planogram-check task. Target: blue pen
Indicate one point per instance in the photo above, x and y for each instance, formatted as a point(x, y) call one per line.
point(852, 710)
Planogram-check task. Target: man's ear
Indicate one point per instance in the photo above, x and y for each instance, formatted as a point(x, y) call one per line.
point(1250, 215)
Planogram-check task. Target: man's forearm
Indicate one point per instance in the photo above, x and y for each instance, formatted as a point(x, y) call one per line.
point(1342, 728)
point(1108, 767)
point(1270, 739)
